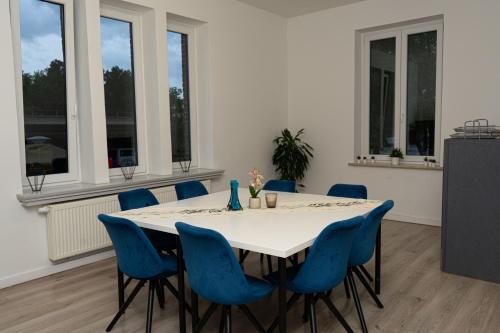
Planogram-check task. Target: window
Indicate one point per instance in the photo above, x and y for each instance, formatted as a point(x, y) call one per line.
point(120, 59)
point(181, 92)
point(47, 92)
point(401, 91)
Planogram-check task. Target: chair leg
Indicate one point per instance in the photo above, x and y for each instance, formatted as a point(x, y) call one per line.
point(366, 273)
point(125, 305)
point(228, 319)
point(251, 317)
point(336, 313)
point(357, 302)
point(346, 287)
point(269, 264)
point(307, 301)
point(151, 298)
point(368, 287)
point(121, 287)
point(312, 317)
point(222, 320)
point(161, 293)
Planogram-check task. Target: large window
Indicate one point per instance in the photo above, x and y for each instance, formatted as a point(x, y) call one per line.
point(47, 78)
point(119, 92)
point(401, 91)
point(182, 117)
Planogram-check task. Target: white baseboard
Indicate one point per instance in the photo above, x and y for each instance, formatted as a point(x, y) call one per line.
point(414, 219)
point(52, 269)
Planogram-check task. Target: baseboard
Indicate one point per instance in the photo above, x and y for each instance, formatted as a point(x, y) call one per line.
point(52, 269)
point(414, 219)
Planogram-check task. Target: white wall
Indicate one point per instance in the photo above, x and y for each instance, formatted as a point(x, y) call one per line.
point(321, 68)
point(246, 106)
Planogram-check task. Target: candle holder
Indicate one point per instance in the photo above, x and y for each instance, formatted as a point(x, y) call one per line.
point(36, 182)
point(271, 200)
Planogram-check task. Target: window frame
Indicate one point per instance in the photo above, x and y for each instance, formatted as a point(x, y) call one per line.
point(135, 19)
point(73, 175)
point(190, 31)
point(400, 108)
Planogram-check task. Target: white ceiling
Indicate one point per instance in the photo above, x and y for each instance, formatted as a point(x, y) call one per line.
point(291, 8)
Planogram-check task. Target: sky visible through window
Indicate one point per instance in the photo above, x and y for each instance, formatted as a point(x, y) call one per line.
point(174, 60)
point(40, 37)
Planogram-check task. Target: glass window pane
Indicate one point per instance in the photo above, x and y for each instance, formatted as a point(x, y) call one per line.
point(178, 78)
point(44, 87)
point(119, 92)
point(421, 93)
point(382, 93)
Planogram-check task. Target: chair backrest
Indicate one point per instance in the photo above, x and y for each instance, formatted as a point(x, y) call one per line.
point(280, 185)
point(366, 238)
point(190, 189)
point(138, 198)
point(213, 270)
point(348, 191)
point(326, 264)
point(136, 256)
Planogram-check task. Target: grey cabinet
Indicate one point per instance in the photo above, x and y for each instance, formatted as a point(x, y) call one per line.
point(471, 208)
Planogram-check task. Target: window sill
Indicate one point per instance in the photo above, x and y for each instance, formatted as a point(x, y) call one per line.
point(410, 166)
point(63, 193)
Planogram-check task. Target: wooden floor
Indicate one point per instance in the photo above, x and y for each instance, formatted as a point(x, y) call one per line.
point(418, 297)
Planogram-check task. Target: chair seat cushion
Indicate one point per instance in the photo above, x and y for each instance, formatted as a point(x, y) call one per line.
point(161, 241)
point(291, 272)
point(259, 288)
point(169, 265)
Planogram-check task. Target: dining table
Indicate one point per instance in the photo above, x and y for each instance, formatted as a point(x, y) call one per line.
point(283, 231)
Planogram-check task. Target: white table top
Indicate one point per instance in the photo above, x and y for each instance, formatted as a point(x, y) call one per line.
point(282, 232)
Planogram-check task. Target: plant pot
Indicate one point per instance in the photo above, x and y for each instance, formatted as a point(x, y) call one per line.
point(395, 160)
point(254, 203)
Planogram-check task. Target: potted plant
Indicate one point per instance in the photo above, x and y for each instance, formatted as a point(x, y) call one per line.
point(358, 159)
point(255, 188)
point(396, 156)
point(291, 156)
point(372, 160)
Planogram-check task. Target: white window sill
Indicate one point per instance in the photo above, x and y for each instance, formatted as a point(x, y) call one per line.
point(70, 192)
point(402, 165)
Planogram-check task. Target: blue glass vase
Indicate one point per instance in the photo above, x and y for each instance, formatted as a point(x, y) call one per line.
point(234, 201)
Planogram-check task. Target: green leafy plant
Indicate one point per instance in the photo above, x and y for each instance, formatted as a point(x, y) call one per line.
point(396, 152)
point(291, 156)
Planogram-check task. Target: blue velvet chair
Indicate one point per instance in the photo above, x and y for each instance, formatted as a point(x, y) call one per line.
point(362, 251)
point(140, 198)
point(280, 185)
point(190, 189)
point(137, 258)
point(215, 274)
point(348, 191)
point(163, 242)
point(323, 269)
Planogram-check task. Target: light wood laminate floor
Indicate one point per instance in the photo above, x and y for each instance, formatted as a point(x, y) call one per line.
point(418, 297)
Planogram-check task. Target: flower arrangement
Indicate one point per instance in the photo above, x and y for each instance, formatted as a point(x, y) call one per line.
point(255, 182)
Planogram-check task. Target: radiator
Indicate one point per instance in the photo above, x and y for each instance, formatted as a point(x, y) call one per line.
point(73, 229)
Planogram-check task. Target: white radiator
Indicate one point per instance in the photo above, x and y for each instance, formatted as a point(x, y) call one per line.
point(73, 228)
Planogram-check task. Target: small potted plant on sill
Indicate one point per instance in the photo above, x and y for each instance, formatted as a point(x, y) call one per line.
point(364, 159)
point(255, 188)
point(372, 160)
point(358, 159)
point(396, 156)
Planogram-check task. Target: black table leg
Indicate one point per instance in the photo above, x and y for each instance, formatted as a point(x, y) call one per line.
point(194, 309)
point(180, 287)
point(121, 287)
point(378, 258)
point(282, 294)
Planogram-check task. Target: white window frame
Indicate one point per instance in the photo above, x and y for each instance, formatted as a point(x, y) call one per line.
point(189, 30)
point(73, 174)
point(139, 84)
point(400, 111)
